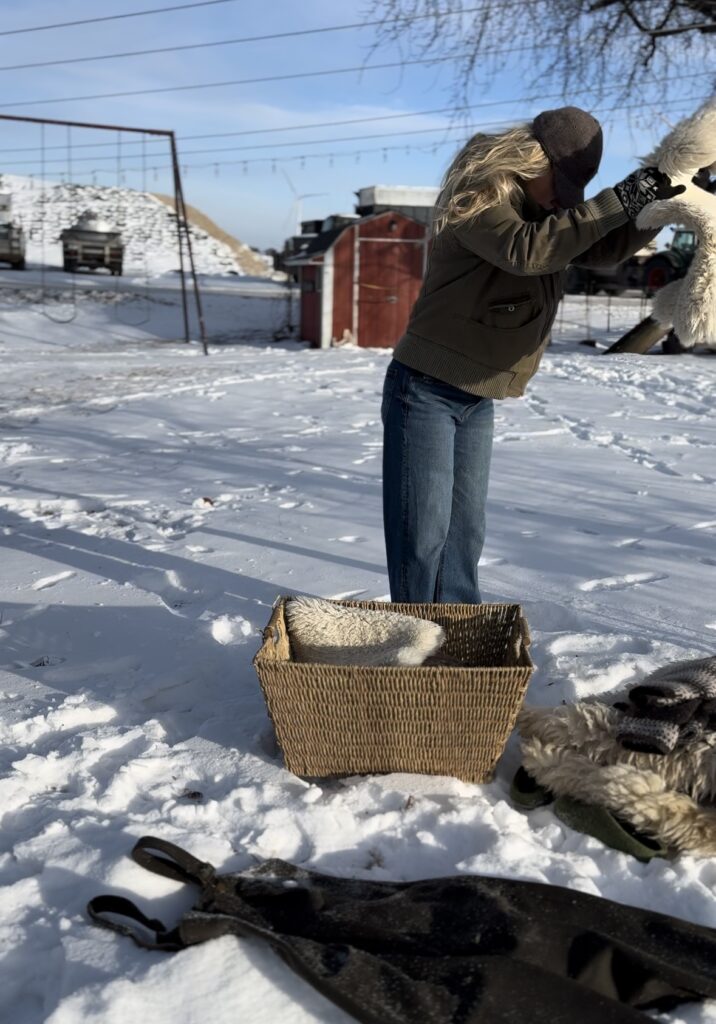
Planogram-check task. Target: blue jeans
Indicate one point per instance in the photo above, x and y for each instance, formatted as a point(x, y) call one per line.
point(436, 462)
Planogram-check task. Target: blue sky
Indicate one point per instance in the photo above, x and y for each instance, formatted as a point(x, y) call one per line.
point(255, 200)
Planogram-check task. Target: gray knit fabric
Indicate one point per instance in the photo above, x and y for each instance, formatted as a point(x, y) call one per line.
point(673, 704)
point(682, 680)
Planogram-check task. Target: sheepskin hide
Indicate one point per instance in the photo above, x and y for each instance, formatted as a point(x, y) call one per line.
point(591, 728)
point(689, 146)
point(689, 305)
point(573, 750)
point(331, 634)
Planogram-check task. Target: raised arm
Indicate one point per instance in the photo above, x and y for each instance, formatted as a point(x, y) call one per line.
point(500, 235)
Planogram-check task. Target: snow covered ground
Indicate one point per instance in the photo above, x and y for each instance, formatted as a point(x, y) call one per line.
point(154, 502)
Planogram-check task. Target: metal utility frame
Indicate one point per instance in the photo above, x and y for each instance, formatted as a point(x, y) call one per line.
point(183, 234)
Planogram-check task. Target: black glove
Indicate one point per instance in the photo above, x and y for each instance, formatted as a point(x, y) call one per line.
point(643, 187)
point(702, 178)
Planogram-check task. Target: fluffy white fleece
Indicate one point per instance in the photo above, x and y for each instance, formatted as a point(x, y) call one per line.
point(689, 304)
point(327, 633)
point(689, 146)
point(573, 751)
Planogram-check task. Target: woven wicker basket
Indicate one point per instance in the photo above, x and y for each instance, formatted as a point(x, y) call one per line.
point(438, 720)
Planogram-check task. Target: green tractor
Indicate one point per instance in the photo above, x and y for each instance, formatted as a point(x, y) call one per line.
point(671, 264)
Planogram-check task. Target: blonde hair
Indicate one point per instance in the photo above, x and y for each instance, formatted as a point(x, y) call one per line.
point(486, 172)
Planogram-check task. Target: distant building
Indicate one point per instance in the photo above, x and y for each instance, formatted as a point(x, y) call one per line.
point(359, 280)
point(360, 273)
point(415, 201)
point(310, 229)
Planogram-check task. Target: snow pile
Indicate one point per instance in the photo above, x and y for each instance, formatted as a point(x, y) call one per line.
point(153, 503)
point(148, 226)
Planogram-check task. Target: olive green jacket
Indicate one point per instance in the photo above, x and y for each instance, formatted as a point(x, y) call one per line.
point(482, 319)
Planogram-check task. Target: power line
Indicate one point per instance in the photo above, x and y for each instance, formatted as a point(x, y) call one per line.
point(253, 81)
point(325, 124)
point(113, 17)
point(320, 124)
point(408, 131)
point(303, 157)
point(251, 39)
point(268, 145)
point(253, 131)
point(357, 138)
point(237, 81)
point(406, 145)
point(314, 124)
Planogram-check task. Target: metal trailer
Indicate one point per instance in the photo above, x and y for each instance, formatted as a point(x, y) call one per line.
point(12, 236)
point(92, 243)
point(12, 245)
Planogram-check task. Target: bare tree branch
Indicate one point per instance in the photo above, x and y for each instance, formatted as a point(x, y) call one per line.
point(660, 29)
point(580, 46)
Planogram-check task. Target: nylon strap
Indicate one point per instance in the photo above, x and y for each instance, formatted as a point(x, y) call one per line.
point(177, 864)
point(121, 907)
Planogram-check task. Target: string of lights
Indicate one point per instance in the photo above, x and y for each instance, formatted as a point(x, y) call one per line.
point(272, 162)
point(257, 131)
point(523, 101)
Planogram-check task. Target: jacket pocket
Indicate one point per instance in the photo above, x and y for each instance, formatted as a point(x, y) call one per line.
point(508, 347)
point(509, 305)
point(509, 312)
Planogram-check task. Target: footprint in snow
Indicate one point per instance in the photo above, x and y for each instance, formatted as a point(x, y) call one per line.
point(169, 587)
point(552, 617)
point(633, 579)
point(50, 581)
point(597, 643)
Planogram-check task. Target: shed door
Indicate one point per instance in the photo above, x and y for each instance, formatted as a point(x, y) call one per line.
point(310, 279)
point(389, 280)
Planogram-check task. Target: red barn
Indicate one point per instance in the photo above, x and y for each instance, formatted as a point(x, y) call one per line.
point(359, 279)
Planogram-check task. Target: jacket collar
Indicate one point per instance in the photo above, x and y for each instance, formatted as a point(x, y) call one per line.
point(531, 210)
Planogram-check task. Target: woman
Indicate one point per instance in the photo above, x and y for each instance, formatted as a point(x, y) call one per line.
point(510, 217)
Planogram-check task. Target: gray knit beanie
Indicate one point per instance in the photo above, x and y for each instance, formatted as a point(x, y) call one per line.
point(572, 139)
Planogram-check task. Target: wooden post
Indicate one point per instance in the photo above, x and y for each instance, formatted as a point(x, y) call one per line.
point(640, 338)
